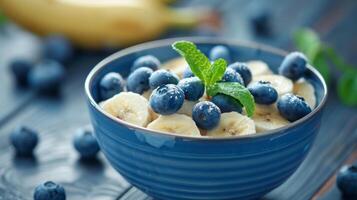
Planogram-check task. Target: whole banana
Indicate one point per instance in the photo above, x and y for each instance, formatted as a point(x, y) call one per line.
point(99, 23)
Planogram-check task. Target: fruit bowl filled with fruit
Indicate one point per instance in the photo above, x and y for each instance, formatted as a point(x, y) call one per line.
point(203, 118)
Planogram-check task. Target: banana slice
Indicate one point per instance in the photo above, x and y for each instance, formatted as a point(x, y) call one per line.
point(187, 107)
point(153, 115)
point(130, 107)
point(176, 123)
point(267, 117)
point(280, 83)
point(258, 67)
point(304, 89)
point(101, 104)
point(147, 94)
point(176, 65)
point(233, 123)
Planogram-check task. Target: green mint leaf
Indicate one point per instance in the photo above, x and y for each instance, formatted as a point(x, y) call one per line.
point(197, 61)
point(236, 91)
point(2, 18)
point(307, 41)
point(347, 89)
point(216, 71)
point(321, 64)
point(338, 61)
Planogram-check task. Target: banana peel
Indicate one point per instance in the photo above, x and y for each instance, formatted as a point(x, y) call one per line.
point(102, 23)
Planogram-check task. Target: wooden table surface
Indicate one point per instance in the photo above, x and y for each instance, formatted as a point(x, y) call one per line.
point(57, 119)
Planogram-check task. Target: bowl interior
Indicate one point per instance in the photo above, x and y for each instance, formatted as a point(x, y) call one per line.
point(240, 51)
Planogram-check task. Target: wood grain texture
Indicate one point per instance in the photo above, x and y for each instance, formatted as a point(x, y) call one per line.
point(329, 190)
point(57, 119)
point(14, 44)
point(55, 159)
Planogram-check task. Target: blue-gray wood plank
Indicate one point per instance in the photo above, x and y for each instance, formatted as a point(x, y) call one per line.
point(57, 119)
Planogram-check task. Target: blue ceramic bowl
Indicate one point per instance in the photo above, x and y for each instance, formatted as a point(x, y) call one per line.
point(167, 166)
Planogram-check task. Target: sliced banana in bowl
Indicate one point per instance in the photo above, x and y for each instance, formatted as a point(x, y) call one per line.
point(187, 107)
point(130, 107)
point(176, 65)
point(232, 124)
point(258, 67)
point(175, 123)
point(267, 117)
point(281, 84)
point(304, 89)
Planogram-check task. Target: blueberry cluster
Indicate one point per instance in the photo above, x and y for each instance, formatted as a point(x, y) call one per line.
point(46, 75)
point(169, 92)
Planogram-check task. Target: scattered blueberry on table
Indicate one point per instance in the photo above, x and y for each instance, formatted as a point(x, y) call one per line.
point(47, 77)
point(49, 191)
point(58, 48)
point(263, 92)
point(110, 85)
point(293, 66)
point(260, 21)
point(167, 99)
point(138, 80)
point(146, 61)
point(206, 115)
point(20, 69)
point(220, 51)
point(192, 87)
point(243, 70)
point(162, 77)
point(86, 144)
point(24, 140)
point(227, 103)
point(292, 107)
point(347, 181)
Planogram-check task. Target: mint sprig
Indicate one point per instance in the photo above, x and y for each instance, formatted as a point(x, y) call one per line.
point(210, 74)
point(320, 56)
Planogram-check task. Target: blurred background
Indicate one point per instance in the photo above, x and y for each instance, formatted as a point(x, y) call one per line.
point(78, 34)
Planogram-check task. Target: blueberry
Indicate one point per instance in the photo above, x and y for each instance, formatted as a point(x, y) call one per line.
point(206, 115)
point(146, 61)
point(263, 92)
point(47, 76)
point(59, 48)
point(20, 69)
point(227, 103)
point(24, 140)
point(49, 191)
point(243, 70)
point(220, 52)
point(110, 85)
point(292, 107)
point(232, 76)
point(187, 73)
point(192, 87)
point(138, 80)
point(347, 181)
point(86, 144)
point(162, 77)
point(293, 66)
point(167, 99)
point(260, 21)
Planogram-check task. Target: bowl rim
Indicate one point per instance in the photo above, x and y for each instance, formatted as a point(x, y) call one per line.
point(202, 40)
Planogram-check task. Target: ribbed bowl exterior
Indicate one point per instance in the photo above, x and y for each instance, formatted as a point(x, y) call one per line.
point(171, 167)
point(174, 168)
